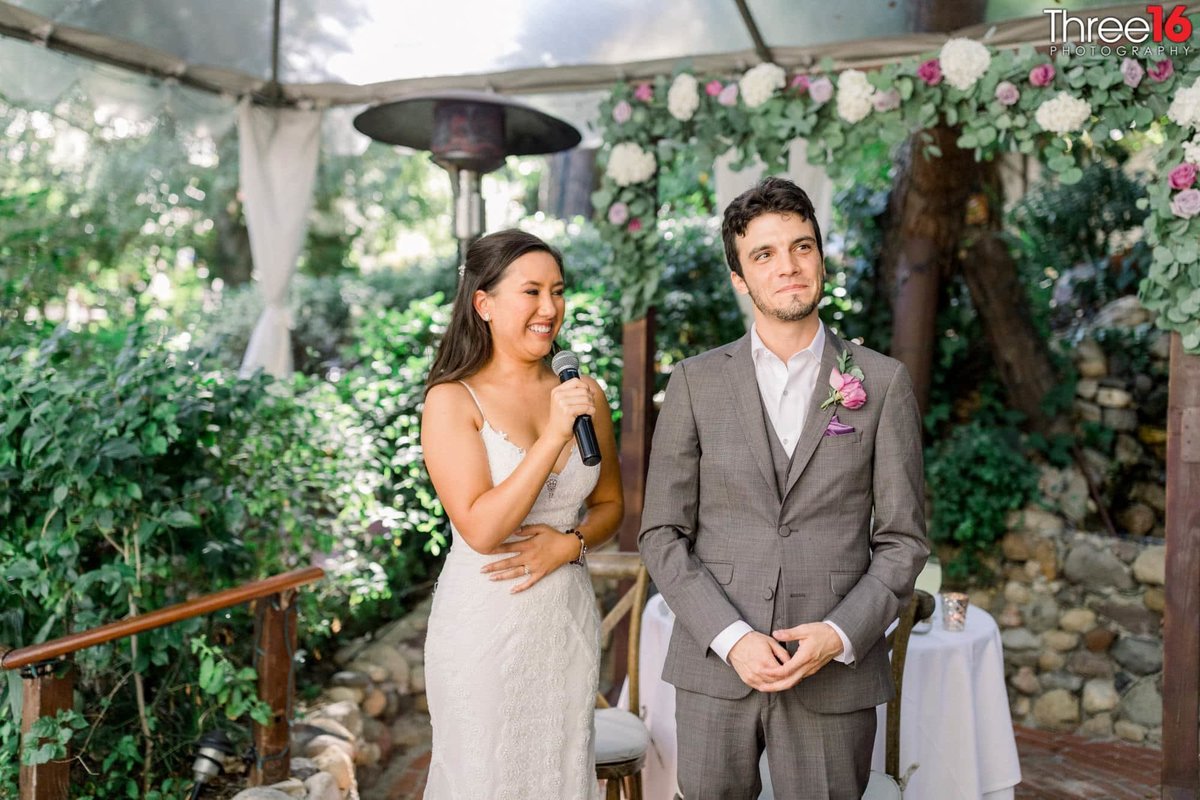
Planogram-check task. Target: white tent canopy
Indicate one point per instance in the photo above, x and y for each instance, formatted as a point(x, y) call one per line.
point(198, 60)
point(354, 52)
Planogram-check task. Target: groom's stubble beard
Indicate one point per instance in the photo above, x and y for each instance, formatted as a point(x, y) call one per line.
point(795, 310)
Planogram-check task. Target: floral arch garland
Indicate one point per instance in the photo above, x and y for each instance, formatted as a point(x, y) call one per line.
point(1004, 100)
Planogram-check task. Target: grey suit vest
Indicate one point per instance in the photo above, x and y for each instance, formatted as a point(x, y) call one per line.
point(779, 456)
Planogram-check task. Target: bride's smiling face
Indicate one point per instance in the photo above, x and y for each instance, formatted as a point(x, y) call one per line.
point(525, 308)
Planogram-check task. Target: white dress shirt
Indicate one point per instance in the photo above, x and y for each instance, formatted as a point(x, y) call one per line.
point(786, 391)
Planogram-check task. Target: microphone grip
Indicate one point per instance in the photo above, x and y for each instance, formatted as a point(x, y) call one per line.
point(585, 430)
point(585, 438)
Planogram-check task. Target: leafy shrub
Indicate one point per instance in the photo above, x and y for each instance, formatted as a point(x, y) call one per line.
point(1069, 234)
point(977, 474)
point(323, 310)
point(136, 477)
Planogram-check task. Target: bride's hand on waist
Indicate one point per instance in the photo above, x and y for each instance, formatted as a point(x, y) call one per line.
point(533, 558)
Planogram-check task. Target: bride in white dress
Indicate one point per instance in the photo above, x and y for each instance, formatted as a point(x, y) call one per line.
point(512, 651)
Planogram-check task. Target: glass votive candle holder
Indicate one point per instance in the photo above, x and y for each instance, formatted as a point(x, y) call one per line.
point(954, 610)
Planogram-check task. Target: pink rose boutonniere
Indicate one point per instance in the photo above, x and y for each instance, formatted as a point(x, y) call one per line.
point(845, 384)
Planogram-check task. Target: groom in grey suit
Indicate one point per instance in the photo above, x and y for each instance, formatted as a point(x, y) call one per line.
point(784, 525)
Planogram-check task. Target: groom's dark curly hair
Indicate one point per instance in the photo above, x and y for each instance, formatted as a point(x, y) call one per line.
point(769, 196)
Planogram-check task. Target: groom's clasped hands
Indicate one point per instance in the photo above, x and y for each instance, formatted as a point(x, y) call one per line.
point(763, 663)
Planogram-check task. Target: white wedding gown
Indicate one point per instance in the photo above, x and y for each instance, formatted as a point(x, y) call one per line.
point(511, 678)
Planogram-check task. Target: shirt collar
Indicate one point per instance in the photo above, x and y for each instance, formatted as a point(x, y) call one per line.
point(816, 347)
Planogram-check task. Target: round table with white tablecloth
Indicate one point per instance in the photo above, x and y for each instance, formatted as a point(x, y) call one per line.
point(954, 722)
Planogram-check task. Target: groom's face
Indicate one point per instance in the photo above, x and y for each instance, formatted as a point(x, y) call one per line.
point(782, 269)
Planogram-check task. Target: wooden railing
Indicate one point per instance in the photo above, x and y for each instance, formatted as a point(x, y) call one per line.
point(49, 681)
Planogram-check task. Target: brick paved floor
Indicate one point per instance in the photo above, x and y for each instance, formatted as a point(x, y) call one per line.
point(1056, 766)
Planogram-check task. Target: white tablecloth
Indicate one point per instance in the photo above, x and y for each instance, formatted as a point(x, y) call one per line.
point(954, 719)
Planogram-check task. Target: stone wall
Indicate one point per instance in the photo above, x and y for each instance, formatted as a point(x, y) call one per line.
point(1080, 616)
point(1080, 611)
point(1122, 362)
point(360, 723)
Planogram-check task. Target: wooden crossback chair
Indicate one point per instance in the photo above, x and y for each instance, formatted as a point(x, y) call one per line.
point(621, 737)
point(881, 788)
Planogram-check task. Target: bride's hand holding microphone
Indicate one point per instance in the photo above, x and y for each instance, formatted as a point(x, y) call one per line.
point(546, 549)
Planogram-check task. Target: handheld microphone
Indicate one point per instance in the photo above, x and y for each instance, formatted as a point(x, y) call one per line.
point(566, 366)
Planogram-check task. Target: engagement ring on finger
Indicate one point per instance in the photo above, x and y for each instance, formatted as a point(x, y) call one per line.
point(526, 570)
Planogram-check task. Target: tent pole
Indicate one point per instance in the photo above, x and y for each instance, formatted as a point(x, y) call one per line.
point(760, 44)
point(275, 42)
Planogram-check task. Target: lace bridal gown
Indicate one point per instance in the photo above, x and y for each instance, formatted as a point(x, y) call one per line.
point(511, 678)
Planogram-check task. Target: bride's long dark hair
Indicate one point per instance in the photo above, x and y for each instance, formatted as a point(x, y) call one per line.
point(467, 343)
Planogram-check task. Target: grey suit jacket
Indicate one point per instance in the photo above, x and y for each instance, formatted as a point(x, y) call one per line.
point(845, 541)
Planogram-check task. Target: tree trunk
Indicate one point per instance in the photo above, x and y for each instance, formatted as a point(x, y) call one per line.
point(999, 298)
point(232, 261)
point(926, 210)
point(568, 183)
point(930, 235)
point(925, 214)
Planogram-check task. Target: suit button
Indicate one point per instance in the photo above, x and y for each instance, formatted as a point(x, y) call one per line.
point(769, 594)
point(785, 531)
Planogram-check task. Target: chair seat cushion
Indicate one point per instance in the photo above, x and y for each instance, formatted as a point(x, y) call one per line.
point(882, 786)
point(620, 736)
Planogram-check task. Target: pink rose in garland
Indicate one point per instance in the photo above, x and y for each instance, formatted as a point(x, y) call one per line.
point(634, 225)
point(800, 83)
point(845, 384)
point(1007, 93)
point(886, 101)
point(1183, 176)
point(1132, 72)
point(1186, 204)
point(644, 92)
point(713, 88)
point(1042, 75)
point(930, 72)
point(621, 112)
point(821, 90)
point(728, 95)
point(1161, 70)
point(618, 213)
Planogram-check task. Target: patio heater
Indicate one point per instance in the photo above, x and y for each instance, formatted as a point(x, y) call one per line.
point(469, 134)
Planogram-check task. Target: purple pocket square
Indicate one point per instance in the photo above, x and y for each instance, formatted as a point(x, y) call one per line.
point(836, 428)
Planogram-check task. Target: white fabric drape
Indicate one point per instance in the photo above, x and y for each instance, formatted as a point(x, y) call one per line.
point(279, 151)
point(812, 178)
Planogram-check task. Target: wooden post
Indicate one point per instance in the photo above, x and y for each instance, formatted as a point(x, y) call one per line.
point(637, 422)
point(45, 694)
point(1181, 636)
point(637, 429)
point(274, 658)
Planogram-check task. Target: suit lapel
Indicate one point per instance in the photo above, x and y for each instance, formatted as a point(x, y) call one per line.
point(743, 387)
point(818, 418)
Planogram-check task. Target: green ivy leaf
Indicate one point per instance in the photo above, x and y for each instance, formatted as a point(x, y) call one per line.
point(178, 518)
point(1071, 176)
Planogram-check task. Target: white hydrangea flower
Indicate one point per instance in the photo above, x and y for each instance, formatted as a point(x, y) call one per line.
point(629, 164)
point(683, 98)
point(1063, 113)
point(760, 82)
point(1185, 107)
point(855, 96)
point(963, 62)
point(1191, 151)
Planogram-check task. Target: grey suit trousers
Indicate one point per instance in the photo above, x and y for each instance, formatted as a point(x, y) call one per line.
point(812, 756)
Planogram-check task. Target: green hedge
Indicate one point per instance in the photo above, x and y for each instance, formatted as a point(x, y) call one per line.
point(132, 478)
